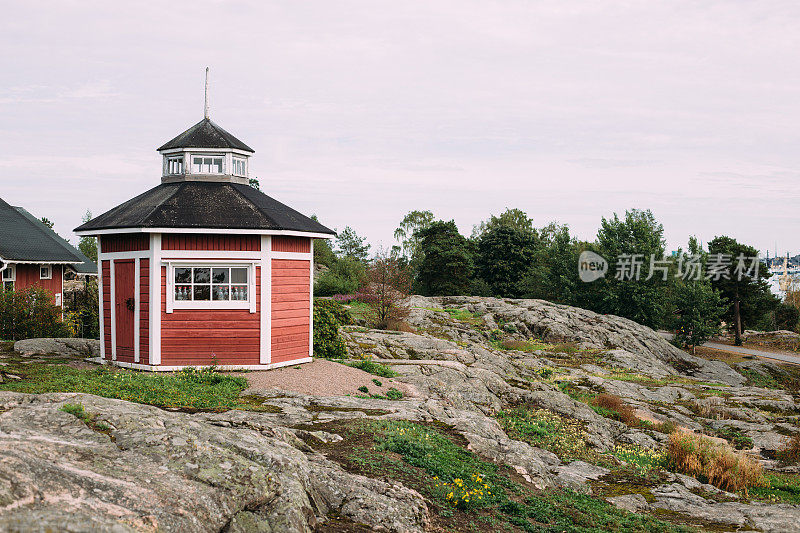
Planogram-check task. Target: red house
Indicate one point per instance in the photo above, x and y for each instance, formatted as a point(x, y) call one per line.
point(33, 255)
point(204, 268)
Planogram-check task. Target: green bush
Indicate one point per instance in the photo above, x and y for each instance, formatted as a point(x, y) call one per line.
point(374, 368)
point(787, 317)
point(82, 307)
point(345, 276)
point(30, 313)
point(327, 342)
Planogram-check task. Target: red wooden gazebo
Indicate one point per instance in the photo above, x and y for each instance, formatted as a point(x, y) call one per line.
point(205, 269)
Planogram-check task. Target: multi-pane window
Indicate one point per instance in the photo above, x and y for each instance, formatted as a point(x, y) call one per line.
point(175, 165)
point(46, 272)
point(9, 275)
point(207, 165)
point(239, 166)
point(206, 283)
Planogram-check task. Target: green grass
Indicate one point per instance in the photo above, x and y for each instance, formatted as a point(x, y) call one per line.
point(189, 389)
point(77, 410)
point(544, 429)
point(359, 310)
point(373, 368)
point(460, 315)
point(736, 438)
point(471, 494)
point(781, 488)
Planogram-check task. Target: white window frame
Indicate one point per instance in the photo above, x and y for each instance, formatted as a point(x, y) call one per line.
point(237, 159)
point(178, 159)
point(49, 274)
point(249, 304)
point(221, 157)
point(13, 270)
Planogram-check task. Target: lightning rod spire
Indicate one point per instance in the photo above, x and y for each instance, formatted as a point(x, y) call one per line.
point(205, 109)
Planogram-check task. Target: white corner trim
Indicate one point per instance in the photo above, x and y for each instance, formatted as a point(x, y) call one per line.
point(159, 368)
point(265, 352)
point(100, 303)
point(311, 300)
point(252, 289)
point(112, 292)
point(137, 308)
point(155, 299)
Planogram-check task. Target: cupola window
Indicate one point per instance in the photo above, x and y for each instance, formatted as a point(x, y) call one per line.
point(174, 165)
point(239, 166)
point(207, 164)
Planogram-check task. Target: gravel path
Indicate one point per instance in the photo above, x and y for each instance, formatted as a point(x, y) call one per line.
point(322, 378)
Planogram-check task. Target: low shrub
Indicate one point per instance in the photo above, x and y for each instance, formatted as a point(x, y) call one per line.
point(30, 313)
point(790, 453)
point(738, 440)
point(713, 462)
point(345, 276)
point(617, 408)
point(373, 368)
point(328, 316)
point(394, 394)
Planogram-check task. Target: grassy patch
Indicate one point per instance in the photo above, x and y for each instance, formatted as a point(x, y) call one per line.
point(790, 453)
point(544, 429)
point(391, 394)
point(735, 437)
point(373, 368)
point(77, 410)
point(359, 310)
point(460, 315)
point(523, 345)
point(779, 488)
point(467, 493)
point(612, 406)
point(712, 462)
point(190, 389)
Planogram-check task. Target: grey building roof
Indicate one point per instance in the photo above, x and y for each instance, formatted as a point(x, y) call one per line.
point(23, 237)
point(206, 134)
point(195, 204)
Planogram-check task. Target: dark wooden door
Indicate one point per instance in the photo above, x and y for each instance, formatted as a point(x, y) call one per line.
point(124, 305)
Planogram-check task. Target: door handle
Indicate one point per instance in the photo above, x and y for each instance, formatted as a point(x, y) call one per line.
point(130, 303)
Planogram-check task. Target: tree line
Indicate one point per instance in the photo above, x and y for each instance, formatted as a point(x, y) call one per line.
point(507, 256)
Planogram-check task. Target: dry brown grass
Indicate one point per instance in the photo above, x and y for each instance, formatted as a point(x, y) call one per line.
point(790, 453)
point(711, 461)
point(614, 403)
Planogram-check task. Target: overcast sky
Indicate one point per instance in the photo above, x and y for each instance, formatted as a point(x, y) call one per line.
point(362, 111)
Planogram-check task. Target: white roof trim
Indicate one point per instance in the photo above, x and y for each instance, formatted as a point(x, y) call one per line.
point(14, 261)
point(219, 231)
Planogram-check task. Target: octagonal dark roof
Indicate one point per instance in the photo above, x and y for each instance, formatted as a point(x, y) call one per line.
point(195, 204)
point(206, 134)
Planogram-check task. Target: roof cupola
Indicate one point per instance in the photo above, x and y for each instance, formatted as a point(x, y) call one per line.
point(205, 152)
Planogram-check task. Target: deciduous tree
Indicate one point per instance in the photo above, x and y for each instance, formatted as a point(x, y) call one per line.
point(446, 265)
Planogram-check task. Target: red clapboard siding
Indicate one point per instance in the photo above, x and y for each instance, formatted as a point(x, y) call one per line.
point(28, 276)
point(106, 269)
point(229, 243)
point(291, 244)
point(144, 311)
point(191, 336)
point(290, 307)
point(127, 242)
